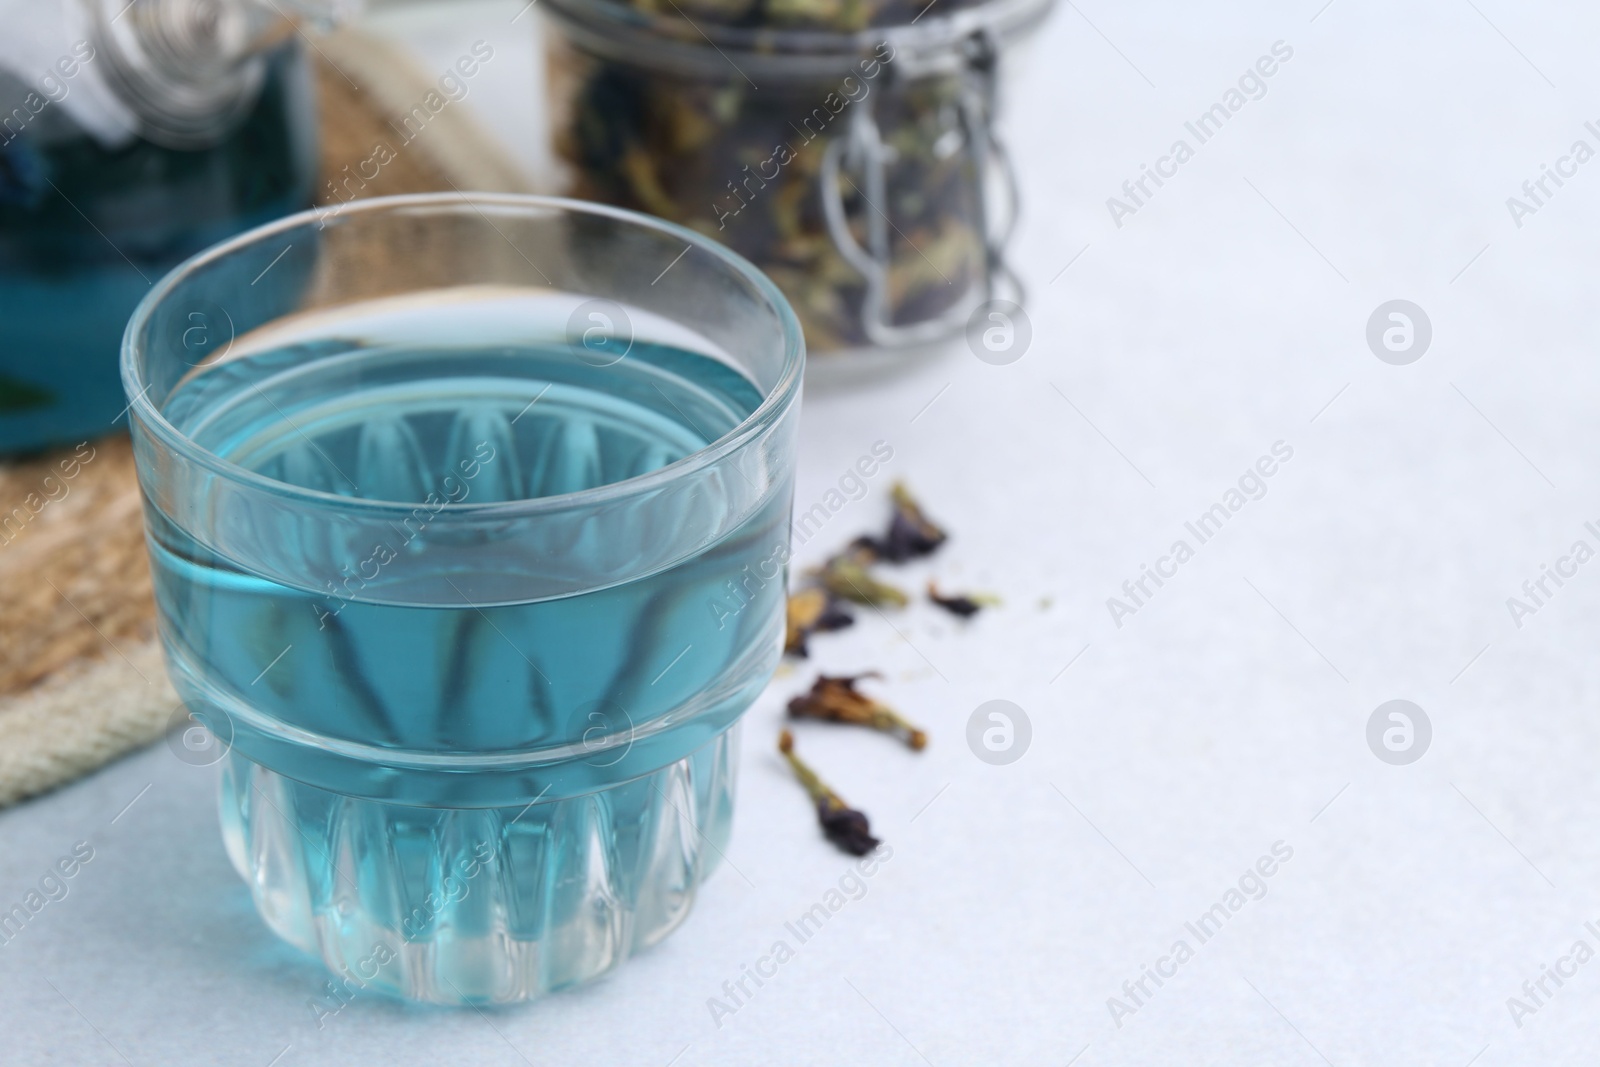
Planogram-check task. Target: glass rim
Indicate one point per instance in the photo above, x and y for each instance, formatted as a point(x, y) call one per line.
point(772, 407)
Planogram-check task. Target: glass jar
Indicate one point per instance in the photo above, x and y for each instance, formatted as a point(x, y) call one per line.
point(132, 135)
point(847, 147)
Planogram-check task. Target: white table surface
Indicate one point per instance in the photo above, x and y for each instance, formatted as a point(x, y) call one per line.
point(1230, 713)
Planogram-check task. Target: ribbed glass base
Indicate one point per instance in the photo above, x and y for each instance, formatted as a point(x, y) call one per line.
point(478, 906)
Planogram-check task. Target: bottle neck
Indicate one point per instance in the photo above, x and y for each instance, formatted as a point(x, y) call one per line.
point(190, 69)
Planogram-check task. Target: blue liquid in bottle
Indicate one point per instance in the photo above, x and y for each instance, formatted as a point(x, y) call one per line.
point(86, 229)
point(486, 884)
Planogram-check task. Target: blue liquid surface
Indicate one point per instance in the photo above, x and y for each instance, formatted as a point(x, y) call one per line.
point(574, 860)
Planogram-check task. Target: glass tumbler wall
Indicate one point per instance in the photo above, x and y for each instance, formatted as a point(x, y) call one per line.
point(849, 150)
point(469, 526)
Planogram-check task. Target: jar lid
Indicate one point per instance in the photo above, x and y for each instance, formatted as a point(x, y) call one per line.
point(794, 37)
point(829, 16)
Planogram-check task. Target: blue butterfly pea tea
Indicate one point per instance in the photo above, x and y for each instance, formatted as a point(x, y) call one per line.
point(132, 135)
point(470, 544)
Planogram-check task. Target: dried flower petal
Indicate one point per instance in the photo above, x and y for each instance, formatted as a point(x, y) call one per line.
point(846, 828)
point(838, 700)
point(911, 533)
point(812, 611)
point(846, 576)
point(965, 605)
point(841, 824)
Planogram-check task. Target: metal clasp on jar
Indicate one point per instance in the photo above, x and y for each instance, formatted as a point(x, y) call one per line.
point(865, 153)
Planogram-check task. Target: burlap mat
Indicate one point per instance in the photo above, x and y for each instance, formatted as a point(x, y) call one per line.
point(81, 676)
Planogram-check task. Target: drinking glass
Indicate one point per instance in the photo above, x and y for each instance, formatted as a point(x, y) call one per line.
point(469, 521)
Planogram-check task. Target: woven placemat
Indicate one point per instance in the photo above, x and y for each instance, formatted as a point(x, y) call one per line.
point(81, 674)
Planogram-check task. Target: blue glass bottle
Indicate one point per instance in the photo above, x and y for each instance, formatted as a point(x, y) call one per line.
point(91, 215)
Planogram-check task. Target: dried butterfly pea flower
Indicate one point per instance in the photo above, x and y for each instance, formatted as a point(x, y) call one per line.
point(846, 576)
point(841, 824)
point(837, 700)
point(911, 533)
point(964, 605)
point(812, 611)
point(706, 150)
point(846, 828)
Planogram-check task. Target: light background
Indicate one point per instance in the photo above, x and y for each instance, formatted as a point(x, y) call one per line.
point(1230, 713)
